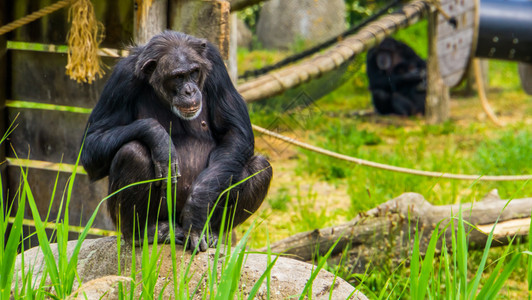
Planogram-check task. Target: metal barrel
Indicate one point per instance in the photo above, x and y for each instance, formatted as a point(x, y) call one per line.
point(505, 30)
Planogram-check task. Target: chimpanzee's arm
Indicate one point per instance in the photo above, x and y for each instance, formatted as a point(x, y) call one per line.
point(112, 124)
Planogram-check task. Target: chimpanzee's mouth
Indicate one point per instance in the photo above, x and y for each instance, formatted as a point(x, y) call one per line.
point(187, 113)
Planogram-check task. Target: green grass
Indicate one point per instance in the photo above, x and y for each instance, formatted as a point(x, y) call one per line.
point(468, 144)
point(464, 144)
point(59, 274)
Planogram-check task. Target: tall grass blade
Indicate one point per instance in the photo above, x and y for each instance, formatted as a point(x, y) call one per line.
point(488, 286)
point(414, 267)
point(231, 274)
point(461, 254)
point(427, 268)
point(9, 249)
point(503, 276)
point(449, 287)
point(529, 258)
point(51, 265)
point(318, 268)
point(71, 267)
point(476, 280)
point(265, 275)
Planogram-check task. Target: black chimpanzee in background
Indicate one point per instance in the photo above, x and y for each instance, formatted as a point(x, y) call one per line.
point(172, 103)
point(397, 79)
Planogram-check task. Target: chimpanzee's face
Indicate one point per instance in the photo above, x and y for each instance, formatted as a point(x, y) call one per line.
point(177, 76)
point(384, 60)
point(180, 80)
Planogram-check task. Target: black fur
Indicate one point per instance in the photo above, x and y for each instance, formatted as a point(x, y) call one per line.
point(128, 140)
point(398, 88)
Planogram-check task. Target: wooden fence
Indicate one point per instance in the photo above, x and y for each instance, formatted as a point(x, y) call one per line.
point(50, 110)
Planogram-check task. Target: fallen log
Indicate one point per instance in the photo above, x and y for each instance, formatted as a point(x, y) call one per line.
point(387, 231)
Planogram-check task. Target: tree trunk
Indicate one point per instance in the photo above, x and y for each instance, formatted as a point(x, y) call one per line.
point(203, 18)
point(150, 19)
point(437, 103)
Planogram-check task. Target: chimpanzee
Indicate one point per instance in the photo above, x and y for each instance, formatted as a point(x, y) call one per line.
point(397, 79)
point(170, 106)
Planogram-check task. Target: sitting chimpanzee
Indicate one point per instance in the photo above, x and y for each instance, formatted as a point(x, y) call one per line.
point(170, 109)
point(397, 78)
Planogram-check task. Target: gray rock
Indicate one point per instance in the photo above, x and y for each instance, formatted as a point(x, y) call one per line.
point(244, 36)
point(282, 23)
point(97, 268)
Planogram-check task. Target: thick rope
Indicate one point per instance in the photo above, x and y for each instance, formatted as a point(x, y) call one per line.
point(318, 48)
point(84, 38)
point(388, 167)
point(34, 16)
point(482, 94)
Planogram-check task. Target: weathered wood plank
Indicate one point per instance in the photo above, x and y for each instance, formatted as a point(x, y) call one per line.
point(3, 90)
point(52, 136)
point(116, 16)
point(202, 18)
point(151, 18)
point(40, 77)
point(438, 99)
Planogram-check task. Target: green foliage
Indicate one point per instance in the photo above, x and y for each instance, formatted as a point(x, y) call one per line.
point(358, 10)
point(415, 37)
point(250, 16)
point(308, 217)
point(507, 153)
point(280, 200)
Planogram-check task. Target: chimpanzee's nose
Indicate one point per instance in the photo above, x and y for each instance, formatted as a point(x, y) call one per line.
point(189, 90)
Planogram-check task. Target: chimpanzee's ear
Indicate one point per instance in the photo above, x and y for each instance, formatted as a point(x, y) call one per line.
point(149, 66)
point(145, 67)
point(201, 47)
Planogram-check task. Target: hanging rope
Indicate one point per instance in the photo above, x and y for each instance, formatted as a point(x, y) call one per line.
point(482, 93)
point(34, 16)
point(84, 37)
point(318, 48)
point(387, 167)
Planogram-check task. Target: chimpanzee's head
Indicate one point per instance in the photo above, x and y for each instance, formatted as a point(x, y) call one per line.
point(387, 55)
point(175, 65)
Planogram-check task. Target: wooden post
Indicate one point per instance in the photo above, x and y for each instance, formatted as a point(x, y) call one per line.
point(202, 18)
point(3, 96)
point(232, 66)
point(437, 103)
point(151, 18)
point(525, 74)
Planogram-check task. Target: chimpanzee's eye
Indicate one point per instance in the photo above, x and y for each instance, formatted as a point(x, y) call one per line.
point(194, 75)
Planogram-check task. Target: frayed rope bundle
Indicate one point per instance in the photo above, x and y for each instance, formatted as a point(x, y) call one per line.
point(84, 38)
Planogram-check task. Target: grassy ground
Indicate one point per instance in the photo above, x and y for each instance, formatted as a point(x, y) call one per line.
point(311, 191)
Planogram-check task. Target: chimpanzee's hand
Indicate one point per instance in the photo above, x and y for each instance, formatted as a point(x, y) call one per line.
point(160, 158)
point(195, 239)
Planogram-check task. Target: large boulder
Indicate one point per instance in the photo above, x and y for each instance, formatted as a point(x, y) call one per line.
point(244, 36)
point(282, 23)
point(98, 265)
